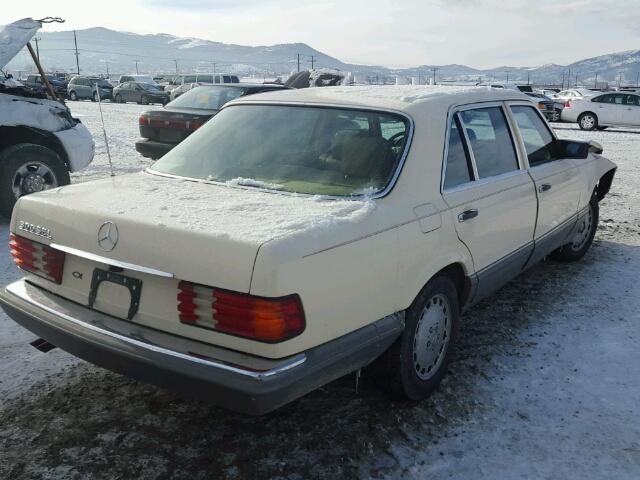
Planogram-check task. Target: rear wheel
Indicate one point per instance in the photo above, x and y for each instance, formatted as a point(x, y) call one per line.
point(581, 241)
point(555, 116)
point(588, 121)
point(415, 364)
point(144, 100)
point(28, 168)
point(73, 96)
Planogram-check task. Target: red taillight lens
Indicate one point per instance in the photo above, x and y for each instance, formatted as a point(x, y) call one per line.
point(263, 319)
point(567, 104)
point(37, 258)
point(143, 120)
point(194, 124)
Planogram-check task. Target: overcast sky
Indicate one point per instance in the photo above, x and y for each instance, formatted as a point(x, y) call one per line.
point(479, 33)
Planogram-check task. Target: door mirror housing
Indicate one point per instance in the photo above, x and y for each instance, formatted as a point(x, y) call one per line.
point(574, 149)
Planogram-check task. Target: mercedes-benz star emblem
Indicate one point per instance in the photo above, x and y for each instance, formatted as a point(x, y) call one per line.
point(107, 236)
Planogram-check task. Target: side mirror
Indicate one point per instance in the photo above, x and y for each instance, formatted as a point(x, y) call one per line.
point(572, 149)
point(595, 147)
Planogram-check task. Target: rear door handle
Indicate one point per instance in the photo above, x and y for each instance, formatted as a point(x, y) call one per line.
point(544, 187)
point(467, 215)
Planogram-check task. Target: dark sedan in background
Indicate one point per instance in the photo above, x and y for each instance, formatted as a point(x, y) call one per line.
point(161, 130)
point(144, 93)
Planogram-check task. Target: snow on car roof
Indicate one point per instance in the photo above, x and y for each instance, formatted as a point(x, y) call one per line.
point(397, 97)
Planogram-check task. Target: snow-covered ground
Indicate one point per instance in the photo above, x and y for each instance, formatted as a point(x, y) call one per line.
point(545, 382)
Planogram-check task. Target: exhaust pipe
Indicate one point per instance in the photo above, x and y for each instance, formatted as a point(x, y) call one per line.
point(42, 345)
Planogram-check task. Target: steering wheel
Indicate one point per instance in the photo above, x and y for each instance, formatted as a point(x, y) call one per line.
point(396, 139)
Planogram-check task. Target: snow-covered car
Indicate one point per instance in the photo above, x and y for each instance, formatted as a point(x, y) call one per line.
point(40, 142)
point(302, 235)
point(603, 111)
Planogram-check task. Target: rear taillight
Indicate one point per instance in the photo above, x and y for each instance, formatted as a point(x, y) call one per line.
point(257, 318)
point(37, 258)
point(194, 124)
point(567, 104)
point(144, 120)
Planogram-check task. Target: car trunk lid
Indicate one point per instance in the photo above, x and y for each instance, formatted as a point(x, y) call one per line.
point(171, 126)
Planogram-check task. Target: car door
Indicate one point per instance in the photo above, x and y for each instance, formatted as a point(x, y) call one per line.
point(490, 195)
point(609, 109)
point(631, 110)
point(557, 182)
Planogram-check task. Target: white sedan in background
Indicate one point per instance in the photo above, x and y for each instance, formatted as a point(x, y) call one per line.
point(573, 94)
point(602, 111)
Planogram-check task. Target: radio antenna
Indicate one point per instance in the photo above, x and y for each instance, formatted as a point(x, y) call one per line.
point(104, 131)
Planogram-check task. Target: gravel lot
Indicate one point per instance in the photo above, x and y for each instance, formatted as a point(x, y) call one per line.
point(545, 382)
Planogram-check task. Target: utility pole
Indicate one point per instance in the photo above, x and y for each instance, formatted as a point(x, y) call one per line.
point(136, 66)
point(595, 85)
point(638, 79)
point(576, 79)
point(507, 77)
point(312, 61)
point(176, 62)
point(528, 78)
point(298, 55)
point(569, 79)
point(619, 79)
point(214, 67)
point(434, 70)
point(75, 41)
point(36, 39)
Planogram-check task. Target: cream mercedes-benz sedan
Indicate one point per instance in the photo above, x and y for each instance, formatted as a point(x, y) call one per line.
point(302, 235)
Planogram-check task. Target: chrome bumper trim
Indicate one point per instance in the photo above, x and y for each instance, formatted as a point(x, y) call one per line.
point(19, 290)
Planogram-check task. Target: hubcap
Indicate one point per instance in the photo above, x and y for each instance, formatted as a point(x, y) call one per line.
point(33, 177)
point(432, 336)
point(584, 230)
point(588, 121)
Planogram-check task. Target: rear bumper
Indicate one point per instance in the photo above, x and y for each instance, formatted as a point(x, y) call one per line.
point(152, 149)
point(230, 379)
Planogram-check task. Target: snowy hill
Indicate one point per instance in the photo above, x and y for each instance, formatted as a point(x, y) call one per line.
point(101, 49)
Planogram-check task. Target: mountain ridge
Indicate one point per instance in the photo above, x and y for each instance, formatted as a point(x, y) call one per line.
point(101, 49)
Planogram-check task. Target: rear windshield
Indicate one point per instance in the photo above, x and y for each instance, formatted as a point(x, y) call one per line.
point(311, 150)
point(208, 98)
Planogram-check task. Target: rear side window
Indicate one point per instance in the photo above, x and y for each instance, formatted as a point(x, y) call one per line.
point(458, 169)
point(490, 141)
point(538, 141)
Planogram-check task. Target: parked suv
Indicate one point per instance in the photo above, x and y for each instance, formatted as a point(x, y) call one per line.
point(40, 142)
point(143, 93)
point(202, 78)
point(88, 88)
point(300, 236)
point(35, 81)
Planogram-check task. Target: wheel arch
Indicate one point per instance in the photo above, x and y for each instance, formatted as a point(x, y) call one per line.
point(459, 270)
point(14, 135)
point(604, 184)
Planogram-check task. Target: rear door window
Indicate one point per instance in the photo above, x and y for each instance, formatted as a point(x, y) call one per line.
point(538, 141)
point(490, 141)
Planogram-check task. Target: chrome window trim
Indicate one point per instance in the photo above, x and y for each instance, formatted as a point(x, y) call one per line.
point(454, 110)
point(18, 290)
point(380, 194)
point(111, 261)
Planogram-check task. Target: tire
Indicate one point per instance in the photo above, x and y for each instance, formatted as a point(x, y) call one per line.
point(73, 96)
point(19, 175)
point(588, 121)
point(582, 240)
point(399, 368)
point(144, 100)
point(556, 116)
point(94, 97)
